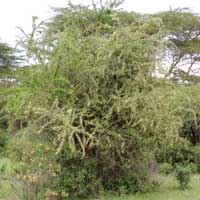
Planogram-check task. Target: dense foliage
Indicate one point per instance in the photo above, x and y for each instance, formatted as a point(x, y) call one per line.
point(92, 115)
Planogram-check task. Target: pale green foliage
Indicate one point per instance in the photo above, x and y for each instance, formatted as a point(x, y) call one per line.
point(96, 98)
point(111, 73)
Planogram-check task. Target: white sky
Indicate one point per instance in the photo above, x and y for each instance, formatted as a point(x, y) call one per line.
point(19, 12)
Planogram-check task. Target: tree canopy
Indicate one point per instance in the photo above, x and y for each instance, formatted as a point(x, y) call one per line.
point(183, 35)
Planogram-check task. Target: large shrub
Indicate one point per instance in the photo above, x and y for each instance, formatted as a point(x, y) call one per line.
point(95, 108)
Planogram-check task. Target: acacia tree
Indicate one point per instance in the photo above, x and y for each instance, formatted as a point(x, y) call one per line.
point(182, 34)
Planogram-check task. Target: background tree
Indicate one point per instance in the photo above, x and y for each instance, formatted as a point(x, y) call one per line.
point(182, 34)
point(8, 56)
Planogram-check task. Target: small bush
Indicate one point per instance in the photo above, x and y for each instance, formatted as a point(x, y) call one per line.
point(126, 185)
point(190, 129)
point(166, 168)
point(196, 151)
point(193, 168)
point(6, 166)
point(183, 173)
point(178, 152)
point(3, 140)
point(132, 183)
point(79, 179)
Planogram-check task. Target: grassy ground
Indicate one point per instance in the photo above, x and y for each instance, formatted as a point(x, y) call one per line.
point(168, 191)
point(10, 189)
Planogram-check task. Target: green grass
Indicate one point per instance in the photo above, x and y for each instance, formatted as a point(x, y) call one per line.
point(10, 187)
point(168, 191)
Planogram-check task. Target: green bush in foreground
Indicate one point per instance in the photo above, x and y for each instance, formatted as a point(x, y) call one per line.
point(79, 179)
point(183, 175)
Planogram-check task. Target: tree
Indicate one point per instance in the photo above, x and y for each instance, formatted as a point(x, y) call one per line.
point(92, 101)
point(7, 56)
point(182, 34)
point(96, 100)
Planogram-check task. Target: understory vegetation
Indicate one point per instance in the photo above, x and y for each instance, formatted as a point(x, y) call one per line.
point(98, 110)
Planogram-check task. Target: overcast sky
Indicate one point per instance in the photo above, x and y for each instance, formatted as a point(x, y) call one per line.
point(19, 12)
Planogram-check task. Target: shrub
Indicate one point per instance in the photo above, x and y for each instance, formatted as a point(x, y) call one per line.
point(191, 129)
point(183, 173)
point(131, 184)
point(6, 166)
point(97, 98)
point(79, 179)
point(3, 139)
point(3, 120)
point(196, 151)
point(126, 185)
point(179, 151)
point(193, 167)
point(166, 168)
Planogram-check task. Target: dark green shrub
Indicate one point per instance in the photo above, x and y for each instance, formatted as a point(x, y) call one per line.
point(79, 179)
point(131, 184)
point(196, 151)
point(3, 119)
point(166, 168)
point(183, 173)
point(3, 139)
point(126, 185)
point(191, 129)
point(179, 151)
